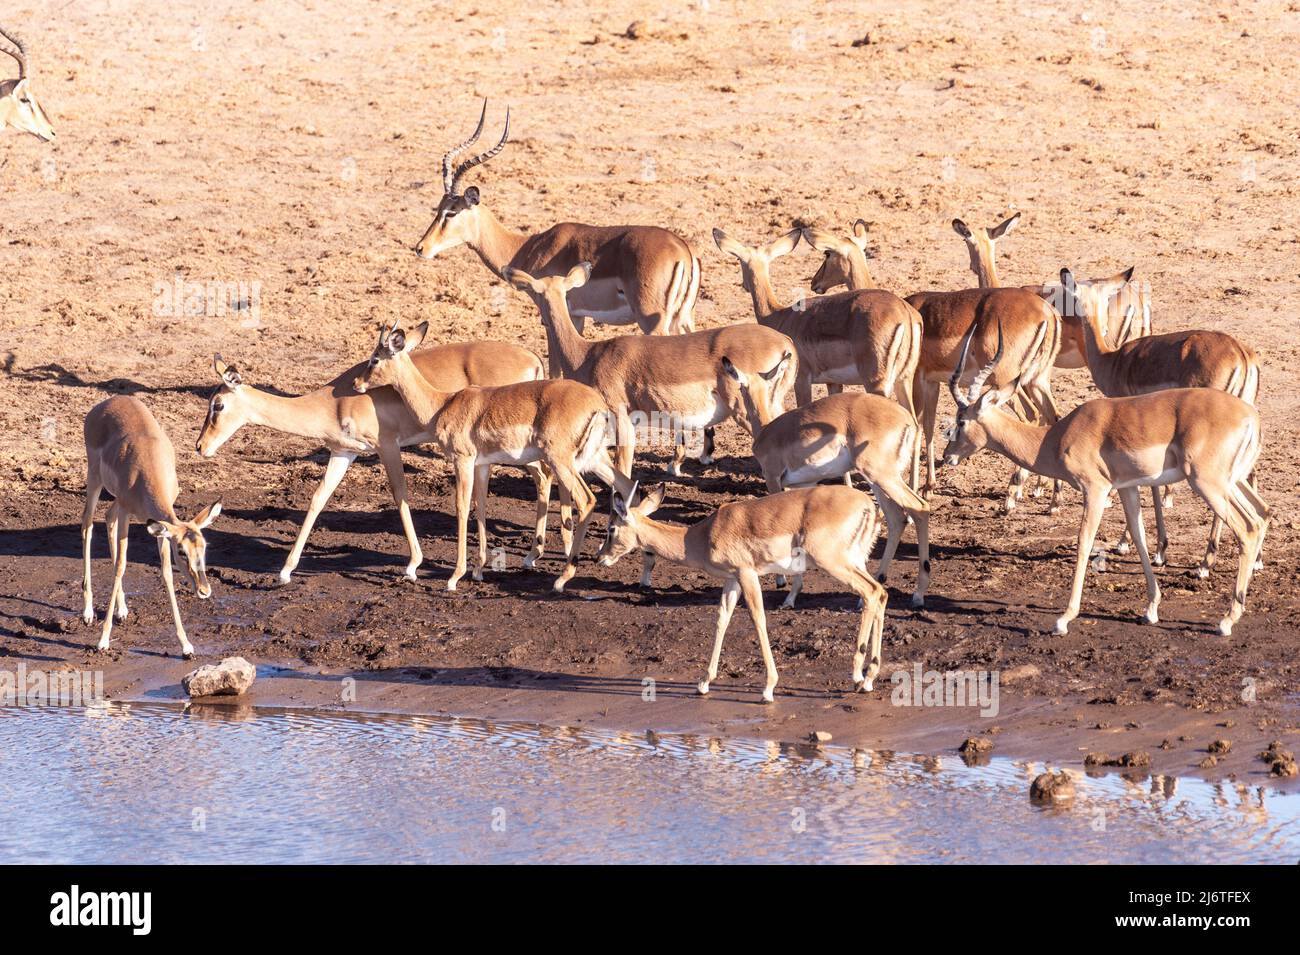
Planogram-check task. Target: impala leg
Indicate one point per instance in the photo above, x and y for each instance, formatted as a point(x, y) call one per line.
point(752, 590)
point(1042, 394)
point(165, 560)
point(624, 443)
point(1236, 510)
point(586, 503)
point(1162, 533)
point(338, 465)
point(726, 607)
point(903, 394)
point(1132, 501)
point(390, 455)
point(929, 415)
point(1093, 505)
point(87, 531)
point(115, 515)
point(482, 473)
point(802, 389)
point(647, 565)
point(121, 524)
point(1248, 491)
point(871, 627)
point(895, 521)
point(541, 476)
point(464, 496)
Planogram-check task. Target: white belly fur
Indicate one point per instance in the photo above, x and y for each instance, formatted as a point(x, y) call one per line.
point(839, 376)
point(834, 461)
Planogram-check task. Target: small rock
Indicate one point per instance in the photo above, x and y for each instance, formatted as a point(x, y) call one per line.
point(1026, 671)
point(1220, 747)
point(976, 746)
point(231, 677)
point(1277, 753)
point(1165, 744)
point(1052, 787)
point(1097, 759)
point(819, 736)
point(1284, 768)
point(1208, 762)
point(1134, 759)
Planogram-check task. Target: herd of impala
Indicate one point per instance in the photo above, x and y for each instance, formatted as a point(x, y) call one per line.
point(1176, 407)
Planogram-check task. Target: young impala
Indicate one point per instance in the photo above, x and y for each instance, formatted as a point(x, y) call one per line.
point(18, 106)
point(839, 434)
point(350, 424)
point(1194, 359)
point(680, 379)
point(558, 424)
point(868, 337)
point(831, 526)
point(129, 455)
point(1204, 436)
point(640, 274)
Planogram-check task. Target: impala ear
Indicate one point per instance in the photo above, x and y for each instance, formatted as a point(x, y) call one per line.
point(729, 245)
point(961, 228)
point(209, 514)
point(1126, 276)
point(619, 506)
point(860, 234)
point(819, 239)
point(229, 376)
point(162, 529)
point(653, 500)
point(784, 245)
point(520, 279)
point(778, 370)
point(998, 231)
point(1067, 279)
point(416, 336)
point(578, 276)
point(731, 371)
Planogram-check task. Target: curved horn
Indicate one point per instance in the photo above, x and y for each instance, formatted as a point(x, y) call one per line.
point(483, 157)
point(449, 180)
point(960, 367)
point(978, 382)
point(19, 51)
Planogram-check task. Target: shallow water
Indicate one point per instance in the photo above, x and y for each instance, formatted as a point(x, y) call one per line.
point(159, 783)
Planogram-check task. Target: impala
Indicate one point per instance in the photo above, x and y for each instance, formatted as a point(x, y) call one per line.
point(839, 434)
point(18, 106)
point(640, 274)
point(1032, 338)
point(558, 424)
point(844, 258)
point(693, 381)
point(831, 526)
point(868, 337)
point(1194, 359)
point(1204, 436)
point(350, 424)
point(129, 455)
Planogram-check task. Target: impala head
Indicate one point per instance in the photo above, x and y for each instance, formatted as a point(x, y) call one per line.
point(840, 255)
point(227, 409)
point(394, 346)
point(549, 292)
point(625, 516)
point(758, 396)
point(456, 220)
point(755, 260)
point(188, 538)
point(1091, 299)
point(973, 403)
point(18, 105)
point(981, 244)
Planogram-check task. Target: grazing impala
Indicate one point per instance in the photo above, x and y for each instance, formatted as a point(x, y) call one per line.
point(1204, 436)
point(1033, 335)
point(692, 381)
point(558, 424)
point(832, 527)
point(350, 424)
point(18, 106)
point(868, 337)
point(870, 434)
point(129, 455)
point(640, 274)
point(1195, 359)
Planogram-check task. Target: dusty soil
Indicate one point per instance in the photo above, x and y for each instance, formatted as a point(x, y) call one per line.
point(295, 146)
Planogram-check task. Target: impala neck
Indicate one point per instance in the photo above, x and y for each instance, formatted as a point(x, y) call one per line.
point(566, 350)
point(496, 245)
point(859, 276)
point(423, 400)
point(664, 540)
point(1097, 352)
point(760, 291)
point(986, 273)
point(303, 415)
point(1024, 444)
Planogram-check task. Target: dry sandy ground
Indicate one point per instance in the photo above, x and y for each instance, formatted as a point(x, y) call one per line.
point(295, 145)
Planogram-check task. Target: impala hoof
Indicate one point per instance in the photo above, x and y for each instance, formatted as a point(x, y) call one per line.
point(558, 586)
point(702, 688)
point(674, 470)
point(1099, 563)
point(1225, 627)
point(1158, 560)
point(120, 614)
point(451, 584)
point(706, 459)
point(285, 576)
point(918, 600)
point(769, 696)
point(1062, 626)
point(478, 575)
point(409, 574)
point(102, 645)
point(530, 562)
point(788, 603)
point(1202, 572)
point(88, 616)
point(1151, 616)
point(1122, 547)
